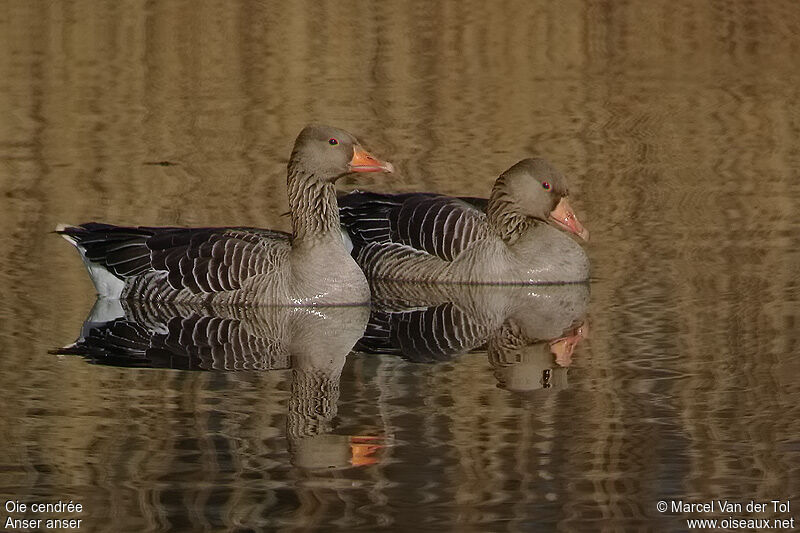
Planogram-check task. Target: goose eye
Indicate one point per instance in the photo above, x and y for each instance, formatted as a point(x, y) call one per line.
point(332, 141)
point(546, 185)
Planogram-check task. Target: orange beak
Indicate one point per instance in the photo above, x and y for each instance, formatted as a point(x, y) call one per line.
point(362, 448)
point(363, 161)
point(564, 217)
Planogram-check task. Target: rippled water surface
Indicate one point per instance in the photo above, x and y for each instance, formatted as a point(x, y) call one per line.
point(673, 377)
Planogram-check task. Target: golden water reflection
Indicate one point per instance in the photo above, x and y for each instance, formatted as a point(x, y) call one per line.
point(676, 124)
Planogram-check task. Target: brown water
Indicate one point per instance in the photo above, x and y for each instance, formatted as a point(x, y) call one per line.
point(677, 125)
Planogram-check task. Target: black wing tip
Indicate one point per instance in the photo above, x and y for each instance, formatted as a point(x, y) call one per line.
point(86, 228)
point(70, 233)
point(90, 231)
point(70, 349)
point(358, 197)
point(355, 198)
point(66, 229)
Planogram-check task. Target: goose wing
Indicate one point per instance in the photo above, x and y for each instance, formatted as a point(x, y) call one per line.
point(203, 260)
point(440, 225)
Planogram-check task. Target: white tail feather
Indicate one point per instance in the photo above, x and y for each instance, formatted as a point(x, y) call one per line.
point(105, 282)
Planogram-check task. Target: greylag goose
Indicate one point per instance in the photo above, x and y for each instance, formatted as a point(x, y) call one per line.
point(436, 238)
point(529, 333)
point(238, 265)
point(312, 343)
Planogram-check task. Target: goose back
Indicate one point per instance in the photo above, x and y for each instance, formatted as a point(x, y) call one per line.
point(182, 265)
point(439, 225)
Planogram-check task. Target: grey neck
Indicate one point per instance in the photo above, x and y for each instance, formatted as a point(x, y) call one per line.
point(312, 202)
point(503, 216)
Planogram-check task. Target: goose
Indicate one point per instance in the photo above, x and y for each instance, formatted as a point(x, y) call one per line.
point(241, 265)
point(510, 239)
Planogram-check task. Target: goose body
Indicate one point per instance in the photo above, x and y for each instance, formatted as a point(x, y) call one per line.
point(240, 265)
point(435, 238)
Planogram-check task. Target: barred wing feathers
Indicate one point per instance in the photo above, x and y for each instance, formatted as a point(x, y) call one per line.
point(439, 225)
point(202, 260)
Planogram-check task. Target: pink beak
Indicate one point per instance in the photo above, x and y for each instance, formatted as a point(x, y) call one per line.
point(564, 217)
point(364, 161)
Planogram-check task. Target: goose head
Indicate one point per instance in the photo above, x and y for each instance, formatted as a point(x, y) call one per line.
point(536, 189)
point(327, 153)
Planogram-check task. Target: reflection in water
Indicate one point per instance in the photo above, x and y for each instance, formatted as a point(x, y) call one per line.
point(311, 342)
point(529, 332)
point(522, 365)
point(677, 123)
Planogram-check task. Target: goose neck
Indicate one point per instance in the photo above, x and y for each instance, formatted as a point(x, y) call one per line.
point(504, 217)
point(313, 206)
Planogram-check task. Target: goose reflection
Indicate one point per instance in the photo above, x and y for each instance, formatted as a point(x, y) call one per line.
point(529, 332)
point(311, 342)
